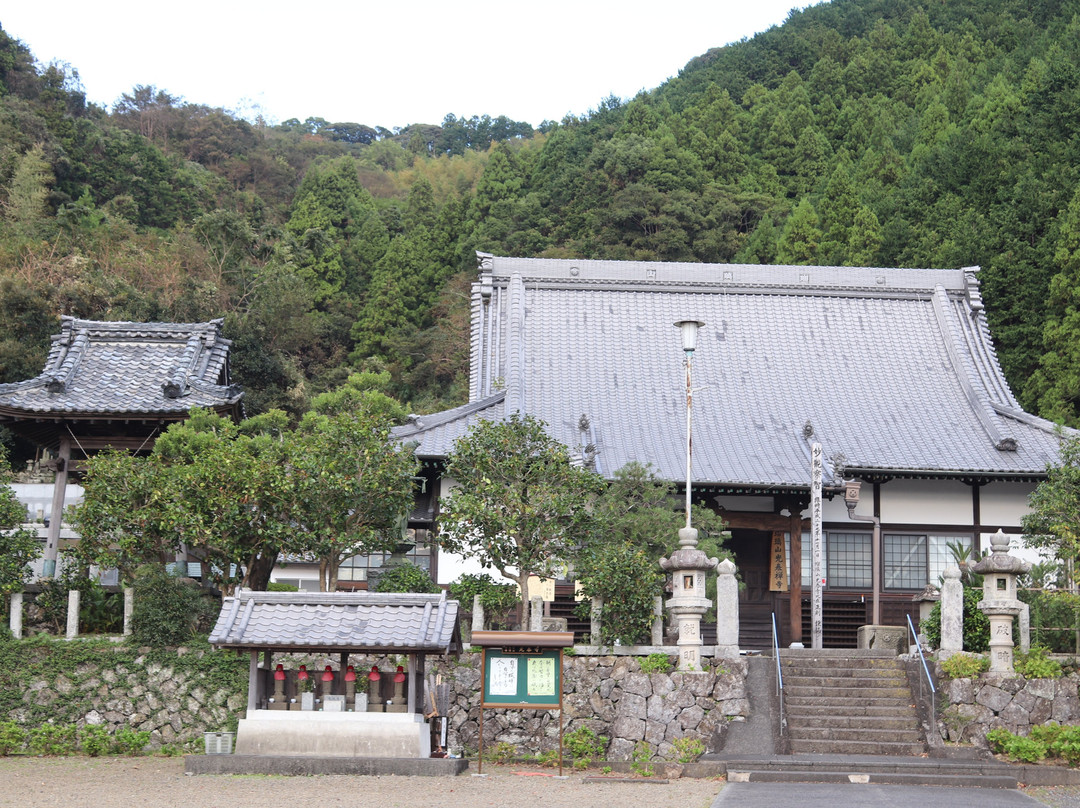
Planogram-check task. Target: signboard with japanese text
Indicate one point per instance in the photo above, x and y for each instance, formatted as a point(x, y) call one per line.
point(528, 677)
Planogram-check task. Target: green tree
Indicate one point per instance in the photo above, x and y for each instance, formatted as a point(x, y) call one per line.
point(19, 546)
point(520, 507)
point(1053, 522)
point(801, 236)
point(352, 487)
point(637, 521)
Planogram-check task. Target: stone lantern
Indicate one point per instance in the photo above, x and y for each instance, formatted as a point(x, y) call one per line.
point(688, 602)
point(999, 603)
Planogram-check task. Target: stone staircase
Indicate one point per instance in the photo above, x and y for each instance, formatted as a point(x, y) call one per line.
point(846, 702)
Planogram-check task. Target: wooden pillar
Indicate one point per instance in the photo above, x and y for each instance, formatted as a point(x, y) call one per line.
point(410, 707)
point(795, 577)
point(56, 518)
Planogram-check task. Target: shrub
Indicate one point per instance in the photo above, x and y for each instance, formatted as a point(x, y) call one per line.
point(277, 586)
point(12, 738)
point(501, 752)
point(1036, 664)
point(167, 607)
point(964, 666)
point(497, 599)
point(656, 663)
point(640, 759)
point(585, 746)
point(94, 739)
point(53, 739)
point(128, 741)
point(406, 577)
point(688, 750)
point(548, 759)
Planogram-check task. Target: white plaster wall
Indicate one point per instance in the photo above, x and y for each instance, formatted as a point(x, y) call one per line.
point(1004, 503)
point(916, 502)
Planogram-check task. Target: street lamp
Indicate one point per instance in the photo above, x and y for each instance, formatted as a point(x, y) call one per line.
point(689, 329)
point(688, 565)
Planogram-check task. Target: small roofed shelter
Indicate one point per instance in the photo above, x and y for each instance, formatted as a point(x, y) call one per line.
point(342, 624)
point(116, 385)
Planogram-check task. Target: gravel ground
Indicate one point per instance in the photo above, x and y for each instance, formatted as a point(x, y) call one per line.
point(154, 782)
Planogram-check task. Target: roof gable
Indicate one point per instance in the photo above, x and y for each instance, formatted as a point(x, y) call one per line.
point(120, 368)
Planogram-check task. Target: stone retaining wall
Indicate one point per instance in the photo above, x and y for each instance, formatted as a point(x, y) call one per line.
point(974, 706)
point(176, 702)
point(611, 696)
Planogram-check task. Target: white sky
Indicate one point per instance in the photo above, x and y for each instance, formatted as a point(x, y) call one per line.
point(385, 63)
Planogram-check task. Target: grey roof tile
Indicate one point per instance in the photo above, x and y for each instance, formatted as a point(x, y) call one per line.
point(338, 621)
point(136, 368)
point(892, 368)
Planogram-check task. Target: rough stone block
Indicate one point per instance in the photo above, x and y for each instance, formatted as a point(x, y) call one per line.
point(993, 698)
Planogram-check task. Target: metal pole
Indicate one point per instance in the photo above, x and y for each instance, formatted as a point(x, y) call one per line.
point(689, 441)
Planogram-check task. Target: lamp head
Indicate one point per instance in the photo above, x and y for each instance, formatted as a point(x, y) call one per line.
point(689, 329)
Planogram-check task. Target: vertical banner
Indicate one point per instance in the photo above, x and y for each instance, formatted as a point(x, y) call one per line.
point(817, 574)
point(778, 574)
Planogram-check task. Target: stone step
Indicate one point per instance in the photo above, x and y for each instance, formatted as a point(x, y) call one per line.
point(845, 682)
point(851, 693)
point(845, 673)
point(866, 764)
point(867, 735)
point(828, 747)
point(908, 721)
point(854, 711)
point(873, 778)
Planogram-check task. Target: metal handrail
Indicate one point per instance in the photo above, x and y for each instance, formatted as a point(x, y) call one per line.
point(779, 673)
point(926, 670)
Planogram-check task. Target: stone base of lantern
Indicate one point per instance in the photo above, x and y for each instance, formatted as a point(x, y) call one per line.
point(333, 734)
point(884, 638)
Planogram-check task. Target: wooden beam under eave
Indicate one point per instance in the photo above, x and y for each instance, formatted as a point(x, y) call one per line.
point(750, 520)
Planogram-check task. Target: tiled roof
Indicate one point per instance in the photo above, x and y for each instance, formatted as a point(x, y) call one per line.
point(892, 369)
point(339, 621)
point(127, 368)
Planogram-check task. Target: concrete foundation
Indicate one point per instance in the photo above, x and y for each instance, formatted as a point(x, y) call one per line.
point(333, 734)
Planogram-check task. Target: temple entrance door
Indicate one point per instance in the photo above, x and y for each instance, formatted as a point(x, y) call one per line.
point(756, 602)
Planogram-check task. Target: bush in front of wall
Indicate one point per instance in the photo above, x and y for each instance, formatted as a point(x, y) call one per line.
point(12, 738)
point(128, 741)
point(94, 740)
point(965, 666)
point(53, 739)
point(656, 663)
point(1036, 664)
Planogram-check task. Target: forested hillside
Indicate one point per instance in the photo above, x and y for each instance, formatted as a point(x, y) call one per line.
point(865, 132)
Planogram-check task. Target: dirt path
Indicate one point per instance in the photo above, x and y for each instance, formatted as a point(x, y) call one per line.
point(154, 782)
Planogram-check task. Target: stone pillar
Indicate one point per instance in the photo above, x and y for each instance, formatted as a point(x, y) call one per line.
point(596, 609)
point(73, 614)
point(477, 614)
point(658, 621)
point(1025, 628)
point(952, 614)
point(15, 618)
point(129, 609)
point(727, 611)
point(536, 613)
